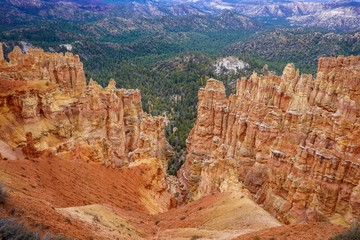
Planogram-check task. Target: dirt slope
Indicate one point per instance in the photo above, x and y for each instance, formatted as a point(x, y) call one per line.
point(38, 188)
point(82, 199)
point(90, 201)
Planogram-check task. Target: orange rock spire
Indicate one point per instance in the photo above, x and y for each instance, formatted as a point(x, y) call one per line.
point(45, 95)
point(293, 141)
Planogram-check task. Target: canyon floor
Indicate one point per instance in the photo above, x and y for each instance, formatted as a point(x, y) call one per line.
point(90, 201)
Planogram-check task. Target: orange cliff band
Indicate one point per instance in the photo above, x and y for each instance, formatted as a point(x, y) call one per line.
point(46, 106)
point(293, 141)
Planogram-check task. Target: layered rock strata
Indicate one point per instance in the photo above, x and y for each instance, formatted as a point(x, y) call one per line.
point(291, 140)
point(47, 108)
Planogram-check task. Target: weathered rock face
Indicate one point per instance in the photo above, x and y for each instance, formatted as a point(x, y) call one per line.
point(292, 141)
point(66, 71)
point(46, 107)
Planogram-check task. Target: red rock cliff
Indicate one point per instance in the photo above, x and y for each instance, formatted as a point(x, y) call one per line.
point(46, 107)
point(291, 140)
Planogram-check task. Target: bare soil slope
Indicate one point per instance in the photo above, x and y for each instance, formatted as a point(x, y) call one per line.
point(90, 201)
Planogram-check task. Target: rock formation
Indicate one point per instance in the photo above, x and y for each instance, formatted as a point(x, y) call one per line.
point(291, 140)
point(65, 71)
point(46, 106)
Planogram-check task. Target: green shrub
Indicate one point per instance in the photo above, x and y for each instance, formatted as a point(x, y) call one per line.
point(351, 234)
point(12, 229)
point(3, 194)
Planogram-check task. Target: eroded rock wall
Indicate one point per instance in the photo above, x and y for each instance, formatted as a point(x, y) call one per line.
point(46, 107)
point(291, 140)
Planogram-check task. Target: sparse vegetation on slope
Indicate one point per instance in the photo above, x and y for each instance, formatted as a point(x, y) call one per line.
point(12, 229)
point(300, 46)
point(351, 234)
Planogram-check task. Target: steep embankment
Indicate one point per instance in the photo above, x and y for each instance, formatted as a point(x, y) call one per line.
point(292, 140)
point(87, 200)
point(47, 191)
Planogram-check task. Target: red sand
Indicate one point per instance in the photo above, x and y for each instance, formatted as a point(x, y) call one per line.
point(37, 187)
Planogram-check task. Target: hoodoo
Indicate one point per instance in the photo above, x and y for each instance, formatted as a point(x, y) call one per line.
point(47, 108)
point(291, 140)
point(45, 95)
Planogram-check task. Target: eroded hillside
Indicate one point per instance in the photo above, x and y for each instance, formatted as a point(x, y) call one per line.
point(293, 141)
point(50, 116)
